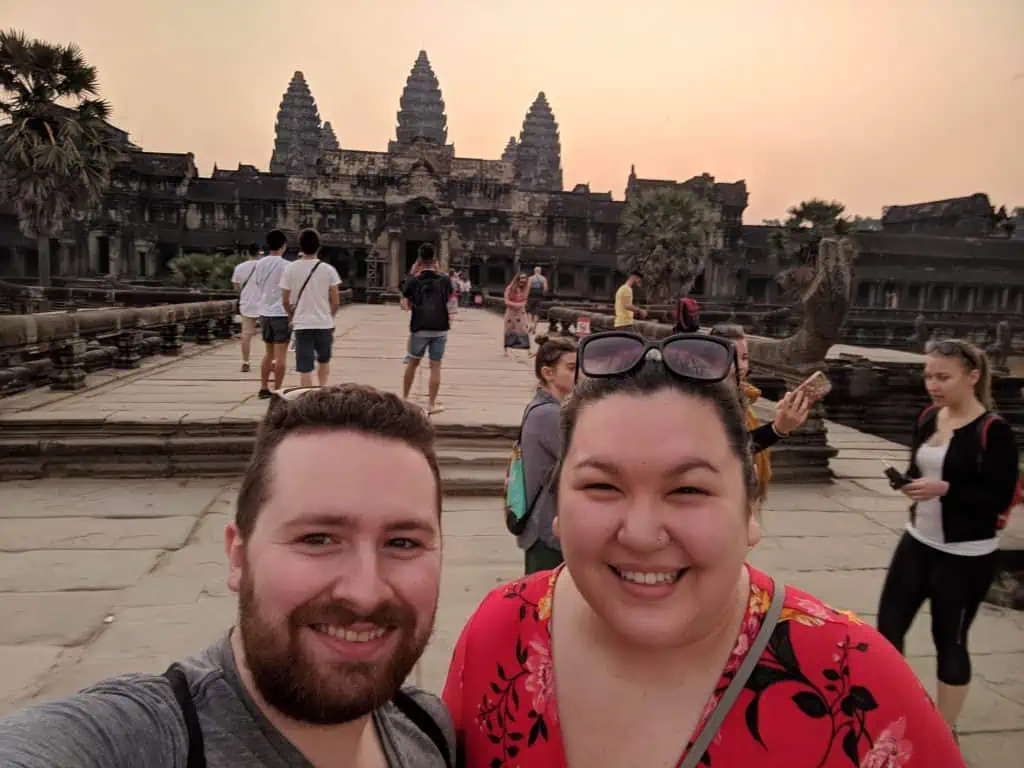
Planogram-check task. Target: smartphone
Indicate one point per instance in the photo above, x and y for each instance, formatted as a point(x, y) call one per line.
point(816, 387)
point(896, 478)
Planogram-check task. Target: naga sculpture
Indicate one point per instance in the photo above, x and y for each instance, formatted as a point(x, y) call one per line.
point(824, 291)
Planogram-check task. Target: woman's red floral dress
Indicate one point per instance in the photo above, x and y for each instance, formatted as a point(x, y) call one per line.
point(828, 690)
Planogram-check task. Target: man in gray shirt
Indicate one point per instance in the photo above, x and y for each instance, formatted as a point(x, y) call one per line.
point(337, 569)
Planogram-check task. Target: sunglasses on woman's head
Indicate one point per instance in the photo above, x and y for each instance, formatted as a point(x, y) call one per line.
point(949, 348)
point(692, 356)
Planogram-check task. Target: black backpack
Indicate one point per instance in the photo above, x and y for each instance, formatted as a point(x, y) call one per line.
point(197, 753)
point(430, 303)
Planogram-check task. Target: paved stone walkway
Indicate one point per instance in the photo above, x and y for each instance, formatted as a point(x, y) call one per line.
point(479, 384)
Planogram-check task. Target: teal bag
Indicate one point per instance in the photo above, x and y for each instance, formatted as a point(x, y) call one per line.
point(517, 510)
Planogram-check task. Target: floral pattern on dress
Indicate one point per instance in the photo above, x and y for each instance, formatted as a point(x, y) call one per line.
point(852, 701)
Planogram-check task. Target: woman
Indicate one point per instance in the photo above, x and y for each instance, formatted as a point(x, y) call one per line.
point(654, 610)
point(517, 334)
point(963, 471)
point(790, 412)
point(538, 286)
point(555, 368)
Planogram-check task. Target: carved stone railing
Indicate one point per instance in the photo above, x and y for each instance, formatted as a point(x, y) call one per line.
point(60, 348)
point(803, 457)
point(28, 299)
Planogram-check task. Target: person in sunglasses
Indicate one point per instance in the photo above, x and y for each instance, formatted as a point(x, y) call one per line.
point(337, 570)
point(962, 479)
point(667, 647)
point(790, 412)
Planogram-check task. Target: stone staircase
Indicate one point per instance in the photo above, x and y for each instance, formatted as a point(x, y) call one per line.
point(472, 459)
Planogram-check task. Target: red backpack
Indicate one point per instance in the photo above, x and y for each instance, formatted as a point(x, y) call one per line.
point(1018, 490)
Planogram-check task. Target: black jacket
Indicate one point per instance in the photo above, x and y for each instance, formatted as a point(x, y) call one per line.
point(979, 491)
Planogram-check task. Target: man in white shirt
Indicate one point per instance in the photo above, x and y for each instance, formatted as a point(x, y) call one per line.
point(248, 301)
point(273, 316)
point(310, 291)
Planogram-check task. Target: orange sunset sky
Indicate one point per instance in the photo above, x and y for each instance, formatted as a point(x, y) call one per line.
point(871, 102)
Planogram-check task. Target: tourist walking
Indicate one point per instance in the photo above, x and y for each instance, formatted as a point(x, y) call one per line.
point(426, 296)
point(337, 569)
point(310, 293)
point(248, 301)
point(539, 443)
point(962, 477)
point(625, 309)
point(659, 621)
point(517, 327)
point(538, 288)
point(790, 412)
point(273, 315)
point(453, 299)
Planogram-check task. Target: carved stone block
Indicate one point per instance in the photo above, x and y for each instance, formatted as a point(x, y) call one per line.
point(68, 365)
point(129, 349)
point(224, 327)
point(203, 331)
point(172, 339)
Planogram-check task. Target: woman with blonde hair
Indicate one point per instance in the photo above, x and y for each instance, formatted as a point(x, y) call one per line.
point(961, 480)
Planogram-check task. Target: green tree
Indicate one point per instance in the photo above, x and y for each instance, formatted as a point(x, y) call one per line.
point(667, 235)
point(795, 242)
point(207, 271)
point(56, 150)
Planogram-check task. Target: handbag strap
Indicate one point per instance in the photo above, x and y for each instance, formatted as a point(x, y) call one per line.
point(298, 298)
point(721, 710)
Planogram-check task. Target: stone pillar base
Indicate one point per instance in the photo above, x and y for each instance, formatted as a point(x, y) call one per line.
point(68, 365)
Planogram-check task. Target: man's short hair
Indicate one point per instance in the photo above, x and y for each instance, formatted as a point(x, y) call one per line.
point(427, 255)
point(254, 249)
point(353, 407)
point(635, 273)
point(309, 242)
point(276, 240)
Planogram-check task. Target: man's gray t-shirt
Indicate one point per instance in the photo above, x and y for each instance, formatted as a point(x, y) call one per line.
point(135, 722)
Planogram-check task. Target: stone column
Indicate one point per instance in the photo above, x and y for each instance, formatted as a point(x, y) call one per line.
point(445, 251)
point(129, 349)
point(94, 252)
point(116, 268)
point(395, 271)
point(203, 332)
point(171, 340)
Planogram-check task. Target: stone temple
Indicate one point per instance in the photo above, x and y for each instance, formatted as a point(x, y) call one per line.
point(491, 217)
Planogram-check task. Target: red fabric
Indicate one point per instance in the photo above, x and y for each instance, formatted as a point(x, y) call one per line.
point(829, 690)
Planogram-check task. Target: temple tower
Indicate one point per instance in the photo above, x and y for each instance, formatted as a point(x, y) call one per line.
point(328, 139)
point(511, 150)
point(298, 135)
point(421, 116)
point(539, 154)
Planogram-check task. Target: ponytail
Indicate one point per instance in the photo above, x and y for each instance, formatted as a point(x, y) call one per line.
point(983, 387)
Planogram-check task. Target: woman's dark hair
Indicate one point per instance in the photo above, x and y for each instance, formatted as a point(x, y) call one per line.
point(651, 379)
point(549, 352)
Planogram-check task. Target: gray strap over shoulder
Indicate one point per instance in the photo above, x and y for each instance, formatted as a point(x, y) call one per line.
point(743, 674)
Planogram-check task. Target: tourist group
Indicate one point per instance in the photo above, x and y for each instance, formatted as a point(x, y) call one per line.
point(639, 636)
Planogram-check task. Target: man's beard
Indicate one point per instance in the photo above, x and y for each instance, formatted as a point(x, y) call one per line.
point(292, 682)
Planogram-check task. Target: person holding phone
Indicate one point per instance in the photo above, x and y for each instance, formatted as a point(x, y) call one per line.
point(790, 412)
point(961, 479)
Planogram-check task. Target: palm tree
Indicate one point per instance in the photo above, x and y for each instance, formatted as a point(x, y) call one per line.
point(667, 235)
point(56, 149)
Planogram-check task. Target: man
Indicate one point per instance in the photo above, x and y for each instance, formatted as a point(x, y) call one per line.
point(273, 316)
point(337, 569)
point(309, 289)
point(248, 301)
point(426, 294)
point(538, 288)
point(624, 307)
point(686, 315)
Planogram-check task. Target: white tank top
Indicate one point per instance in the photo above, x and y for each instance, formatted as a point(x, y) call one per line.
point(927, 525)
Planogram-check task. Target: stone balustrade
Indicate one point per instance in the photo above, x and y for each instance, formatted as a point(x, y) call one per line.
point(60, 348)
point(28, 299)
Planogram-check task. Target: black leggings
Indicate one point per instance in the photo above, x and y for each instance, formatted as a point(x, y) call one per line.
point(955, 585)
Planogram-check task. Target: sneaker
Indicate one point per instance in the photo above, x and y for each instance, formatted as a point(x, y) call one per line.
point(245, 367)
point(264, 394)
